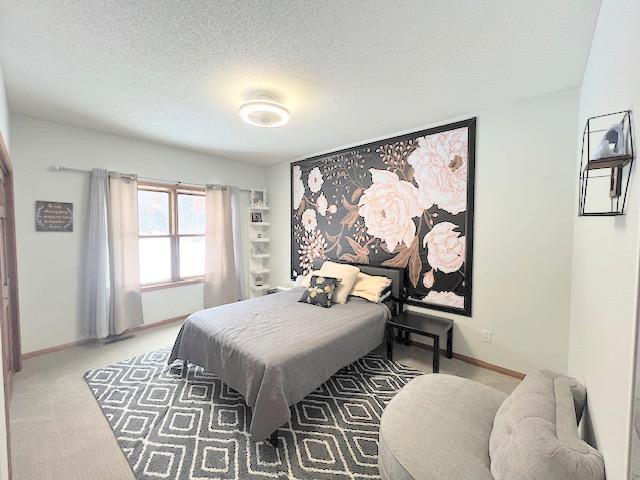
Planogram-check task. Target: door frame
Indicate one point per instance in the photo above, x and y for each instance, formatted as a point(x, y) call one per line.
point(12, 260)
point(15, 357)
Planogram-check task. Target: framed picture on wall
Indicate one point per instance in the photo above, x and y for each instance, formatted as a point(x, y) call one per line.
point(258, 198)
point(404, 202)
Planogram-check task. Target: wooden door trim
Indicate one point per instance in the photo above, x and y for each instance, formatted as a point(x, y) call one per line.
point(12, 270)
point(12, 263)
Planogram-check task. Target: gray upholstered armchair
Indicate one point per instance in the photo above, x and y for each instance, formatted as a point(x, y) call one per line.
point(441, 427)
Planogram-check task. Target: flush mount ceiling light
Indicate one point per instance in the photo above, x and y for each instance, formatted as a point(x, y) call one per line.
point(264, 113)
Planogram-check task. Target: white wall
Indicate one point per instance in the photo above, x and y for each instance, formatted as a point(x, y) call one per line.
point(4, 131)
point(605, 263)
point(279, 187)
point(50, 262)
point(524, 208)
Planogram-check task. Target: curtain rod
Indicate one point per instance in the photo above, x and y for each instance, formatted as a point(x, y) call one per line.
point(59, 168)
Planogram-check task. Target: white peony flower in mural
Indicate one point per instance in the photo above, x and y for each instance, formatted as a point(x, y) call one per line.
point(322, 204)
point(315, 180)
point(388, 207)
point(448, 299)
point(440, 170)
point(309, 221)
point(298, 187)
point(445, 247)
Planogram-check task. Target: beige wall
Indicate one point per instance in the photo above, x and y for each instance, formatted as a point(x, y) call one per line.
point(605, 262)
point(524, 210)
point(50, 262)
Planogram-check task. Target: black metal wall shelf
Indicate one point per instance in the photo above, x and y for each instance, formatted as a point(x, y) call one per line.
point(614, 183)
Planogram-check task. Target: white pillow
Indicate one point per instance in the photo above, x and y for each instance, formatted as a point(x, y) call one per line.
point(370, 287)
point(347, 275)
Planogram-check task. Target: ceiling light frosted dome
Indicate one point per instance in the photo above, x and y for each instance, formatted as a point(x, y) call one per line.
point(264, 113)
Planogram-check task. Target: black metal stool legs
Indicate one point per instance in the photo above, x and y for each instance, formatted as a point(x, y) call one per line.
point(436, 354)
point(273, 439)
point(390, 339)
point(450, 343)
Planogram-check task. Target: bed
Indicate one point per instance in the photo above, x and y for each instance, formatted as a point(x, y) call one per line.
point(275, 350)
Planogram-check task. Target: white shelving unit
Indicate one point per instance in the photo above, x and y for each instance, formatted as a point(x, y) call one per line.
point(259, 251)
point(259, 271)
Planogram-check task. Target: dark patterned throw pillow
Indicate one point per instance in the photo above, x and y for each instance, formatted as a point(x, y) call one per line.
point(320, 291)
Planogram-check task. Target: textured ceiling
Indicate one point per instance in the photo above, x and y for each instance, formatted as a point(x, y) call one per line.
point(176, 72)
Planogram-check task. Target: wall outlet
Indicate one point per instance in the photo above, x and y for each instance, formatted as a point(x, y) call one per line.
point(486, 336)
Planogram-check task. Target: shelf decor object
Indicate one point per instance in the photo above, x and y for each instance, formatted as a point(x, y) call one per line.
point(259, 243)
point(605, 165)
point(259, 200)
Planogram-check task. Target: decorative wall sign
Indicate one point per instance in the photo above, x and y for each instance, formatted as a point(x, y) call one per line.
point(402, 202)
point(54, 216)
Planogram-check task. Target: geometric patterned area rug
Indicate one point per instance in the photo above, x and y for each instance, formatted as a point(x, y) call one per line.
point(195, 429)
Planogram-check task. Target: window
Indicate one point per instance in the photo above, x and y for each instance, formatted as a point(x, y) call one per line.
point(171, 225)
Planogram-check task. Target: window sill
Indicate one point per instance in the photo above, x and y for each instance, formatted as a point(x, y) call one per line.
point(179, 283)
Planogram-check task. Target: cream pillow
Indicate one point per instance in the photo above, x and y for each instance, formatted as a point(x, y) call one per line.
point(370, 287)
point(347, 275)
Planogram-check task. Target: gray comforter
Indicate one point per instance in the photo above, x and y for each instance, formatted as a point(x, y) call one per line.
point(275, 350)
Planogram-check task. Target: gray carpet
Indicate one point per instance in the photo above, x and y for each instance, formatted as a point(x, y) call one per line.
point(55, 414)
point(193, 429)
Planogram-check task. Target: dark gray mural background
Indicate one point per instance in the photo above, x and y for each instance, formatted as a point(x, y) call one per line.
point(402, 202)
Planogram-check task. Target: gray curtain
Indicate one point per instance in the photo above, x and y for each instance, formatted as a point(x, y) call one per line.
point(126, 300)
point(238, 250)
point(220, 277)
point(111, 285)
point(96, 283)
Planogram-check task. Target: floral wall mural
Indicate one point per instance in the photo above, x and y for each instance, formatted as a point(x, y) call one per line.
point(403, 202)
